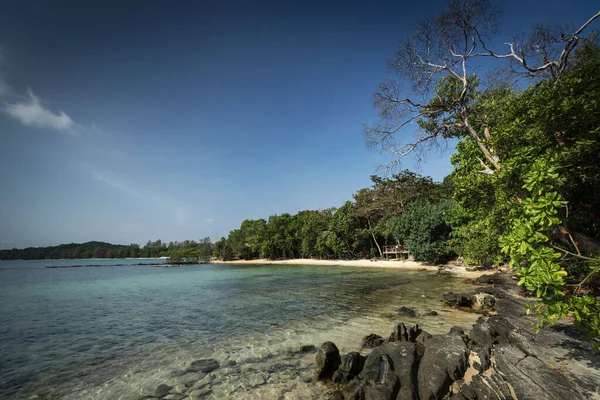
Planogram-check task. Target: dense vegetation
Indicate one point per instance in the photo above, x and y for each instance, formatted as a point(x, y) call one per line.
point(177, 251)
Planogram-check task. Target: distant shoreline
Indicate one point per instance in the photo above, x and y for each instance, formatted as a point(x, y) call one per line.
point(364, 263)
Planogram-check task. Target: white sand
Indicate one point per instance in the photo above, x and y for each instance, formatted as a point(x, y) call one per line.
point(365, 263)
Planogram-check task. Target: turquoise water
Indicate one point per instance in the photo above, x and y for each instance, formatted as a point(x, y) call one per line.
point(114, 332)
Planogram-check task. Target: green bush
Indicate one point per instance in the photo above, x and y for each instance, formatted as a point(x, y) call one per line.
point(425, 230)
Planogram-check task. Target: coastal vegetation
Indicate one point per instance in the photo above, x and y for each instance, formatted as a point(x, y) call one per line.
point(177, 251)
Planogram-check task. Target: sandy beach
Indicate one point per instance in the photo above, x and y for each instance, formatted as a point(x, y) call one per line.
point(364, 263)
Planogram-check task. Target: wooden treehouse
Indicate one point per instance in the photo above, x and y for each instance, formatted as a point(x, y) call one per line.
point(396, 251)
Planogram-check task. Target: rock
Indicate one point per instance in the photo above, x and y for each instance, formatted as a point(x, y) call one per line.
point(162, 390)
point(445, 361)
point(256, 380)
point(405, 311)
point(489, 279)
point(371, 341)
point(308, 348)
point(190, 379)
point(199, 393)
point(457, 330)
point(351, 365)
point(402, 334)
point(205, 365)
point(328, 361)
point(389, 372)
point(178, 372)
point(179, 389)
point(430, 313)
point(458, 299)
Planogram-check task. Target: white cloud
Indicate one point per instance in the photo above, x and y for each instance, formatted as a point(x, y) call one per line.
point(32, 113)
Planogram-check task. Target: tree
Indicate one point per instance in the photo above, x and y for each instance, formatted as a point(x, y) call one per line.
point(388, 197)
point(434, 85)
point(527, 155)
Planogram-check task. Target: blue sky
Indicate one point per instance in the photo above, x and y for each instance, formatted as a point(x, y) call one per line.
point(132, 121)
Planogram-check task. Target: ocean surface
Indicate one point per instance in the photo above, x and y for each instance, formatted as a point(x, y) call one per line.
point(117, 332)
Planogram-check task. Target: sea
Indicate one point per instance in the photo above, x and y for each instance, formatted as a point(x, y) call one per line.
point(114, 329)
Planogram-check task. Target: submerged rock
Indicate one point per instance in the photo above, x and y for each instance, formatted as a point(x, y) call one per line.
point(408, 312)
point(204, 365)
point(162, 390)
point(328, 361)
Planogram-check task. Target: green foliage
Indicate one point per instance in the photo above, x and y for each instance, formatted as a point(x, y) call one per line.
point(425, 230)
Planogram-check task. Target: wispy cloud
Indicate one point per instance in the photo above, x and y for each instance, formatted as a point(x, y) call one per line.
point(178, 212)
point(32, 113)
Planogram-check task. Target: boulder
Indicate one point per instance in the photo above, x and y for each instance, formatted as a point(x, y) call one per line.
point(351, 365)
point(389, 373)
point(445, 361)
point(328, 361)
point(371, 341)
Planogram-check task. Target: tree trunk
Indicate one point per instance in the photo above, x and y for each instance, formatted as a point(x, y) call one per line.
point(374, 238)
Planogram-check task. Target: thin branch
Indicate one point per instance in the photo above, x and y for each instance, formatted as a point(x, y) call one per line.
point(588, 259)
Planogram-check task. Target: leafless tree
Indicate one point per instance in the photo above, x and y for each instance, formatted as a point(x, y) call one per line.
point(443, 50)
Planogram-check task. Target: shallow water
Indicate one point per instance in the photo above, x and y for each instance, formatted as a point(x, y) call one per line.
point(119, 331)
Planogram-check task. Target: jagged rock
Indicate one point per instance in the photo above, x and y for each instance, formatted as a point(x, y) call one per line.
point(445, 361)
point(389, 373)
point(351, 365)
point(408, 312)
point(199, 393)
point(328, 361)
point(423, 337)
point(430, 313)
point(403, 334)
point(489, 279)
point(371, 341)
point(204, 365)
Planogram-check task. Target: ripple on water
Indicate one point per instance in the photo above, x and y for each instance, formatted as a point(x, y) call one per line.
point(109, 337)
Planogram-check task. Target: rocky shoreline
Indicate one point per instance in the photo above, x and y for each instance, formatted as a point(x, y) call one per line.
point(501, 357)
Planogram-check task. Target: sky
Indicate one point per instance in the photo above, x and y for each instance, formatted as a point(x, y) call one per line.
point(133, 121)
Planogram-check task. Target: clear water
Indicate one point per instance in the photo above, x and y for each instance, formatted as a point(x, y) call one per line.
point(116, 332)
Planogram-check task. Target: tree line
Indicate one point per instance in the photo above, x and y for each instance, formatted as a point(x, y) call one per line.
point(187, 250)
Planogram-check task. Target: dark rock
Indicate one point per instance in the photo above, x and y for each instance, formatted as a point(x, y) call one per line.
point(371, 341)
point(351, 365)
point(205, 365)
point(489, 302)
point(403, 334)
point(457, 330)
point(162, 390)
point(458, 299)
point(445, 361)
point(177, 372)
point(389, 373)
point(408, 312)
point(308, 348)
point(490, 279)
point(430, 313)
point(328, 361)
